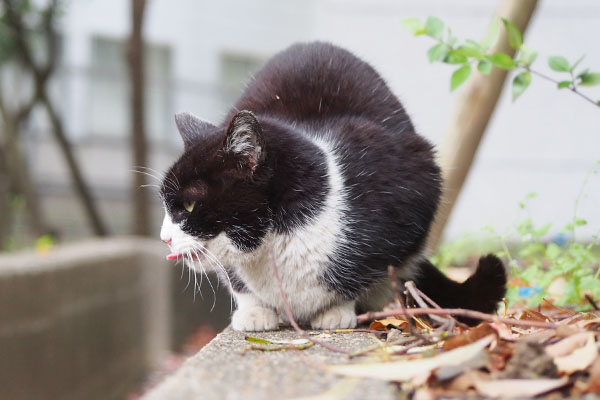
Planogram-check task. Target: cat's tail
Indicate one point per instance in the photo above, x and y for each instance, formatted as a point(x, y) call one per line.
point(481, 291)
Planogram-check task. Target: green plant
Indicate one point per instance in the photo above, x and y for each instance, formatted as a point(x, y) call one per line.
point(472, 54)
point(565, 270)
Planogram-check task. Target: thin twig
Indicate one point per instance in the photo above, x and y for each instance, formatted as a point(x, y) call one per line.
point(591, 300)
point(572, 88)
point(411, 312)
point(410, 286)
point(436, 305)
point(292, 320)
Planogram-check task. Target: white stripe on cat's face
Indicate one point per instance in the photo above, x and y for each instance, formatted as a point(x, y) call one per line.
point(172, 234)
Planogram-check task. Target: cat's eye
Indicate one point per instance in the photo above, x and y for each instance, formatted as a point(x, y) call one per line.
point(189, 205)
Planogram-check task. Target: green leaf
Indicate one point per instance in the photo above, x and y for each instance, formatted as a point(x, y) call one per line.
point(558, 63)
point(469, 52)
point(473, 44)
point(502, 60)
point(564, 84)
point(437, 52)
point(485, 67)
point(454, 57)
point(520, 84)
point(580, 222)
point(257, 340)
point(492, 35)
point(515, 39)
point(460, 76)
point(589, 78)
point(553, 251)
point(527, 56)
point(434, 27)
point(414, 26)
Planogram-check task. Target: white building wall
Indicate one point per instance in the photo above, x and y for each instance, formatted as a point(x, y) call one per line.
point(544, 143)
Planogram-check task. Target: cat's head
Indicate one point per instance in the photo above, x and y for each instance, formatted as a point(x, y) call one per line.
point(217, 187)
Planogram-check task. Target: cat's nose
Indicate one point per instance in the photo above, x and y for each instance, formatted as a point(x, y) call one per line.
point(167, 241)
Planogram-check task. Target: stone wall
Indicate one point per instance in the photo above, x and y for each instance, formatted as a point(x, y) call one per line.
point(87, 320)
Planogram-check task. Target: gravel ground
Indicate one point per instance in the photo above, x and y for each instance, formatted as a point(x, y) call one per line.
point(224, 369)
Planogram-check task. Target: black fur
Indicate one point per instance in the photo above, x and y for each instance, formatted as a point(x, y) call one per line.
point(279, 181)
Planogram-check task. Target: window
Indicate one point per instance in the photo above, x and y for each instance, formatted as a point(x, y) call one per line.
point(110, 90)
point(236, 71)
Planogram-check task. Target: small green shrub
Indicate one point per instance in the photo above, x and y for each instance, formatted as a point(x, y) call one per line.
point(564, 270)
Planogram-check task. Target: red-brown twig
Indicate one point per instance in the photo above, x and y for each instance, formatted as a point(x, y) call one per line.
point(411, 312)
point(412, 289)
point(292, 320)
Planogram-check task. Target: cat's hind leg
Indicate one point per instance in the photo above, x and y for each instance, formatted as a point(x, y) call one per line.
point(340, 316)
point(252, 315)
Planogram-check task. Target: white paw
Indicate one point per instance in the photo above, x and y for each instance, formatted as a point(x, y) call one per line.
point(254, 319)
point(339, 317)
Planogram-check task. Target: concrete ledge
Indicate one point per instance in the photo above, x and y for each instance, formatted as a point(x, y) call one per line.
point(84, 320)
point(224, 370)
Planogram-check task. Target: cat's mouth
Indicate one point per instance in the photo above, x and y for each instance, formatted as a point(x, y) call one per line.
point(178, 256)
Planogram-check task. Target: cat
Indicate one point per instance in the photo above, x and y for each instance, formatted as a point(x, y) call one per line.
point(317, 170)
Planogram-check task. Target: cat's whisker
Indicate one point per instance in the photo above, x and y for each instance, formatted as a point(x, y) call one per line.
point(207, 279)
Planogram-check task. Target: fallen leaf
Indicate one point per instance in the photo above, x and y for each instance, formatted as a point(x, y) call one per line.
point(383, 324)
point(580, 358)
point(594, 379)
point(503, 331)
point(295, 342)
point(482, 330)
point(541, 336)
point(555, 311)
point(518, 388)
point(277, 345)
point(567, 345)
point(406, 370)
point(531, 315)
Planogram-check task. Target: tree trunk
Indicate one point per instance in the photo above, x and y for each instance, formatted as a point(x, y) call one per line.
point(19, 180)
point(471, 116)
point(139, 146)
point(80, 186)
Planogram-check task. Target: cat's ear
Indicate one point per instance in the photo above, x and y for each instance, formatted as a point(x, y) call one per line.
point(191, 127)
point(245, 139)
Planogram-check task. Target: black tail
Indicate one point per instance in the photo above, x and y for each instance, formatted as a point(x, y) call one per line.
point(481, 292)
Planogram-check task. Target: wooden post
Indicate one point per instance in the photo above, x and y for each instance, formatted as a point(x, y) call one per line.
point(473, 111)
point(139, 146)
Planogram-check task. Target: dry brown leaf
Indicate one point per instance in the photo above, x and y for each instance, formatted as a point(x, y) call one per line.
point(541, 336)
point(406, 370)
point(500, 354)
point(580, 358)
point(532, 315)
point(482, 330)
point(594, 379)
point(568, 345)
point(589, 324)
point(503, 331)
point(383, 324)
point(518, 388)
point(555, 311)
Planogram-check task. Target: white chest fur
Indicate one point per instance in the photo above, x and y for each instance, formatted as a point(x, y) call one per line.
point(301, 256)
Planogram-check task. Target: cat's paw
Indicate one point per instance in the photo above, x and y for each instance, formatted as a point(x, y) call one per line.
point(337, 317)
point(253, 319)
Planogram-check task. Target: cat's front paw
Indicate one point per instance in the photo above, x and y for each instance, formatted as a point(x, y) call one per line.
point(337, 317)
point(253, 319)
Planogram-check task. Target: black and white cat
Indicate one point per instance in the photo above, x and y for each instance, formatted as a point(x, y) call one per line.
point(318, 169)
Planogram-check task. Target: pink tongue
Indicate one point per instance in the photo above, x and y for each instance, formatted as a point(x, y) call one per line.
point(173, 256)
